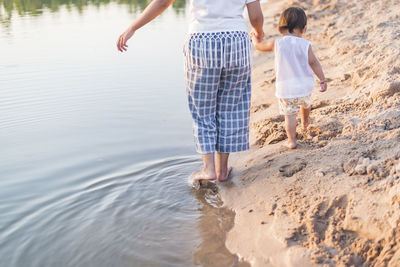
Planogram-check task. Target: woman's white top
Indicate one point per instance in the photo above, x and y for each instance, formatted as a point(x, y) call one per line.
point(294, 76)
point(218, 15)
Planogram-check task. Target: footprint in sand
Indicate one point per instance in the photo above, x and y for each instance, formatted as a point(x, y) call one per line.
point(290, 169)
point(260, 107)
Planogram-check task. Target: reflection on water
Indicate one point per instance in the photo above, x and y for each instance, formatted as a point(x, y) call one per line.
point(37, 7)
point(213, 225)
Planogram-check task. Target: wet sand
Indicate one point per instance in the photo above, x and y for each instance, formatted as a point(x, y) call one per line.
point(335, 200)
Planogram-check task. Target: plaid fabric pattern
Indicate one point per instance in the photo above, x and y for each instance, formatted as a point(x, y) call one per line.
point(216, 50)
point(219, 93)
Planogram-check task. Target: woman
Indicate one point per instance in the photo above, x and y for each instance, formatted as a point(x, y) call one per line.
point(218, 71)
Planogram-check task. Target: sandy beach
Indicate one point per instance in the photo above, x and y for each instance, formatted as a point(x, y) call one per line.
point(334, 201)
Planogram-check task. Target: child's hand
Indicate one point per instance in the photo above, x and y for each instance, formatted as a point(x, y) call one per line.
point(324, 86)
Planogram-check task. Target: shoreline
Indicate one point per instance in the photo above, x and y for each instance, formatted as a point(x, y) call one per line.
point(336, 199)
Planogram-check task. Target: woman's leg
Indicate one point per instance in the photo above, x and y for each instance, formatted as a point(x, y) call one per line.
point(233, 113)
point(209, 165)
point(208, 171)
point(202, 86)
point(233, 110)
point(222, 166)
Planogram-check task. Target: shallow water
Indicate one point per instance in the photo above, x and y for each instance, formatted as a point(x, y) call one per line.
point(96, 146)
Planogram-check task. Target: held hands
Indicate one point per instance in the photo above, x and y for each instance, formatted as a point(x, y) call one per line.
point(123, 39)
point(324, 86)
point(264, 46)
point(256, 37)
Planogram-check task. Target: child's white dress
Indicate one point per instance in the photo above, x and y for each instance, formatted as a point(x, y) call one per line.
point(294, 76)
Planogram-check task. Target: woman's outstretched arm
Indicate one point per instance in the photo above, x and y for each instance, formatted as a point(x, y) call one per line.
point(155, 8)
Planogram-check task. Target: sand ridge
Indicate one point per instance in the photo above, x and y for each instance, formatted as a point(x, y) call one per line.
point(334, 201)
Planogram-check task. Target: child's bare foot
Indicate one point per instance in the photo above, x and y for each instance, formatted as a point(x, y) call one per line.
point(290, 145)
point(223, 177)
point(203, 175)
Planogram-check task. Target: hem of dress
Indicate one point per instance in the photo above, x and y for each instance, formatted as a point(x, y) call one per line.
point(295, 96)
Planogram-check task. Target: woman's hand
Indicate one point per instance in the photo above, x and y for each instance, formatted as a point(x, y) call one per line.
point(255, 35)
point(254, 38)
point(155, 8)
point(123, 39)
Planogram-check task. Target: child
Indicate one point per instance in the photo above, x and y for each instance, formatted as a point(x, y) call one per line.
point(294, 63)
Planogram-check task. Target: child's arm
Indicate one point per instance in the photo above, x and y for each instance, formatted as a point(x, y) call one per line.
point(317, 69)
point(265, 46)
point(256, 18)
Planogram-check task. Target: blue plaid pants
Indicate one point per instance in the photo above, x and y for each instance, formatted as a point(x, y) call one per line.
point(218, 84)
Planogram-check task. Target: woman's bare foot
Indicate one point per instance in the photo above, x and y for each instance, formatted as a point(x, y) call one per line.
point(203, 175)
point(290, 145)
point(223, 177)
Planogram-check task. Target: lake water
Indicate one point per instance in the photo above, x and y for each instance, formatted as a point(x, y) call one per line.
point(96, 146)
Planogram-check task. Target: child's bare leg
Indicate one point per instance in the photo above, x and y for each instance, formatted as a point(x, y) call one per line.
point(305, 116)
point(290, 126)
point(222, 166)
point(208, 172)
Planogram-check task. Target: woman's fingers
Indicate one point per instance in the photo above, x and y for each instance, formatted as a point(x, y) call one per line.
point(119, 43)
point(122, 40)
point(124, 45)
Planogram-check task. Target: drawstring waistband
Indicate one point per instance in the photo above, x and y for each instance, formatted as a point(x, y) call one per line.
point(217, 50)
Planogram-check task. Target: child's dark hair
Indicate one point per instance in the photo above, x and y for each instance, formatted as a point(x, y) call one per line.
point(293, 18)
